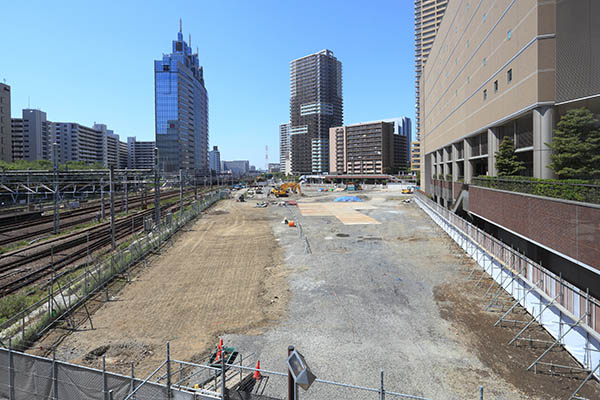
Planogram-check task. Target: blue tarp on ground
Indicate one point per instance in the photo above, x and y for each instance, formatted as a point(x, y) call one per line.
point(348, 198)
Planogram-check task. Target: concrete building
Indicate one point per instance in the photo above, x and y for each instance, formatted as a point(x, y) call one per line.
point(415, 156)
point(181, 110)
point(237, 167)
point(365, 148)
point(5, 124)
point(31, 136)
point(428, 17)
point(401, 153)
point(316, 105)
point(507, 68)
point(274, 167)
point(284, 142)
point(123, 155)
point(110, 146)
point(78, 142)
point(140, 153)
point(215, 160)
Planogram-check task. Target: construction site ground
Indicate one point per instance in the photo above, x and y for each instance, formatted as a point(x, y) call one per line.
point(220, 275)
point(353, 297)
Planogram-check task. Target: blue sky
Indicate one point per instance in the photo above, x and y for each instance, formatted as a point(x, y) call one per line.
point(87, 62)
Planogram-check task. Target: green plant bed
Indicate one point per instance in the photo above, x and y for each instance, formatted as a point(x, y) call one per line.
point(567, 189)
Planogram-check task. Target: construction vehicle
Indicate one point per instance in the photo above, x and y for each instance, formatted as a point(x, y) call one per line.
point(282, 190)
point(351, 186)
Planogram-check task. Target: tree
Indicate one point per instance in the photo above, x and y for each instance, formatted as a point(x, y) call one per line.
point(576, 146)
point(507, 163)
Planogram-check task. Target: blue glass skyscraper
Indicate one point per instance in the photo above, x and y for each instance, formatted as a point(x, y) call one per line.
point(181, 110)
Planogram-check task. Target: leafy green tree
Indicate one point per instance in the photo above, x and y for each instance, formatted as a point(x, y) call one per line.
point(507, 163)
point(576, 146)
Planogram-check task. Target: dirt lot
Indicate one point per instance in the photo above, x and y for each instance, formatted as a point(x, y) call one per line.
point(353, 299)
point(224, 274)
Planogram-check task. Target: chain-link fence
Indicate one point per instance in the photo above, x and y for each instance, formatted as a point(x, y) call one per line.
point(71, 291)
point(27, 377)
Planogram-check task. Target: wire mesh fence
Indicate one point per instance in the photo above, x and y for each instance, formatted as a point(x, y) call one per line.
point(70, 291)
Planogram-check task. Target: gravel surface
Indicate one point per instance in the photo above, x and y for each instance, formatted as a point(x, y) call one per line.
point(366, 299)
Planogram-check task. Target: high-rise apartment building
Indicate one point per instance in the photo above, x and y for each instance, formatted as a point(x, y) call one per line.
point(505, 69)
point(140, 154)
point(316, 105)
point(78, 142)
point(365, 148)
point(5, 124)
point(181, 110)
point(428, 17)
point(32, 136)
point(284, 143)
point(215, 160)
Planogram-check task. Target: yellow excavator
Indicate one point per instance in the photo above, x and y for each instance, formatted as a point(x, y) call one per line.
point(282, 191)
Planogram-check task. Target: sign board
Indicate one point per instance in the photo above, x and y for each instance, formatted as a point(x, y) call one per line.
point(300, 370)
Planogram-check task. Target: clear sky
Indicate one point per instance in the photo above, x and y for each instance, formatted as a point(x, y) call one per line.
point(92, 61)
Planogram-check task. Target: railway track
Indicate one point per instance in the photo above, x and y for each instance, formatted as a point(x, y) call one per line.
point(26, 266)
point(21, 269)
point(26, 230)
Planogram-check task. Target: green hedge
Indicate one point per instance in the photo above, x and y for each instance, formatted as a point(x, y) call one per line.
point(568, 189)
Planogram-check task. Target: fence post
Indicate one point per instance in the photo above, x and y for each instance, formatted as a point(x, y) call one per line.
point(104, 383)
point(480, 392)
point(132, 382)
point(168, 371)
point(54, 375)
point(223, 388)
point(23, 324)
point(381, 390)
point(111, 178)
point(11, 373)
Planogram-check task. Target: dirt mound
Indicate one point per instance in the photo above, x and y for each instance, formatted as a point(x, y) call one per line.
point(118, 354)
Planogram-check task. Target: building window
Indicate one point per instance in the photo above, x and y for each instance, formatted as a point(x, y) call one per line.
point(509, 34)
point(484, 94)
point(496, 86)
point(509, 75)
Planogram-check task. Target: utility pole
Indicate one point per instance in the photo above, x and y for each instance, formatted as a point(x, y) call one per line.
point(180, 192)
point(126, 195)
point(195, 187)
point(111, 182)
point(56, 217)
point(156, 189)
point(102, 213)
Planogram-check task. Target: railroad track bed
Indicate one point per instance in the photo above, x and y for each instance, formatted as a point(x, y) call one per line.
point(35, 264)
point(34, 228)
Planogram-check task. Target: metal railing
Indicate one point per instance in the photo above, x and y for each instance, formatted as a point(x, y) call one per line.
point(531, 285)
point(586, 193)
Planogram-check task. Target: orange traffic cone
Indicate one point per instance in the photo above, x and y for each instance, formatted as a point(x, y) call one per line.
point(257, 374)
